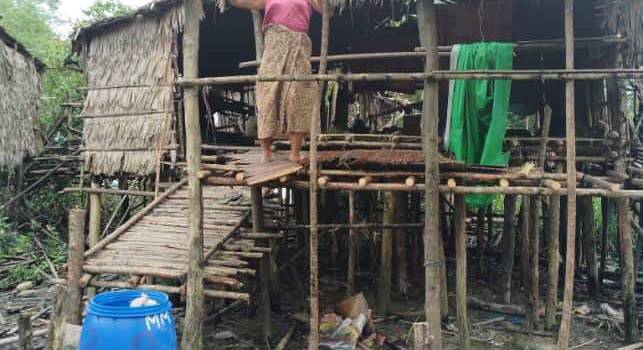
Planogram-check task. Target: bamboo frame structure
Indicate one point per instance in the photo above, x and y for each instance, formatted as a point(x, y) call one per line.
point(429, 181)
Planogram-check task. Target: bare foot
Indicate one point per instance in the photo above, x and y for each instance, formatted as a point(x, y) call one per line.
point(297, 159)
point(266, 158)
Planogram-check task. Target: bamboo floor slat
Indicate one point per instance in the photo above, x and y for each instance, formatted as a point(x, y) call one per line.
point(156, 244)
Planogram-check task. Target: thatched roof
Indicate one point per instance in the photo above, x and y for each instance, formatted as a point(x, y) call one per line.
point(129, 105)
point(158, 8)
point(20, 86)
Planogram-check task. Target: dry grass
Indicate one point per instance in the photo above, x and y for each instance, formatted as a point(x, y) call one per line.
point(20, 89)
point(139, 55)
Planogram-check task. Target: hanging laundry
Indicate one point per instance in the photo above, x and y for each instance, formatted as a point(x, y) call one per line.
point(479, 110)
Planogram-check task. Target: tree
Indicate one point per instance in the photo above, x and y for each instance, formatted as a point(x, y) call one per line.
point(102, 9)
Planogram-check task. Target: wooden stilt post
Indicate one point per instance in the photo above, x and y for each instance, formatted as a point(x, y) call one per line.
point(427, 25)
point(352, 244)
point(461, 272)
point(264, 276)
point(55, 333)
point(570, 125)
point(75, 265)
point(533, 301)
point(25, 332)
point(386, 256)
point(589, 243)
point(605, 218)
point(509, 244)
point(94, 216)
point(627, 274)
point(553, 260)
point(525, 209)
point(402, 205)
point(444, 293)
point(94, 225)
point(193, 323)
point(313, 341)
point(480, 242)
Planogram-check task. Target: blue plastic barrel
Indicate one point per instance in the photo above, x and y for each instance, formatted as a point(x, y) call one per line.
point(112, 324)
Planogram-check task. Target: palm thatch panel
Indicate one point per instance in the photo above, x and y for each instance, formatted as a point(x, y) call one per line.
point(129, 105)
point(20, 89)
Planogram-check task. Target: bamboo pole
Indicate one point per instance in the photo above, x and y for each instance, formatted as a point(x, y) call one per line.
point(109, 191)
point(445, 50)
point(193, 323)
point(386, 255)
point(533, 301)
point(553, 260)
point(461, 272)
point(570, 132)
point(427, 26)
point(544, 74)
point(508, 252)
point(525, 216)
point(589, 244)
point(352, 244)
point(313, 341)
point(605, 217)
point(511, 190)
point(94, 216)
point(75, 265)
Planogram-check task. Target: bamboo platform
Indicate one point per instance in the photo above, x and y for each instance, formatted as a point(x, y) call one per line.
point(155, 244)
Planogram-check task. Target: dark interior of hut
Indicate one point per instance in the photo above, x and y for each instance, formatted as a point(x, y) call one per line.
point(227, 40)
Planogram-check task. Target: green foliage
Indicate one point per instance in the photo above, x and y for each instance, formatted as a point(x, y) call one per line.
point(21, 258)
point(102, 9)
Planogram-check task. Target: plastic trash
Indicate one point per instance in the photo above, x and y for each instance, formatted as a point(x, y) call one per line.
point(143, 300)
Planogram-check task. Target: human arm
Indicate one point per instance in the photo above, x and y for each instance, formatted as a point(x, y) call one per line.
point(248, 4)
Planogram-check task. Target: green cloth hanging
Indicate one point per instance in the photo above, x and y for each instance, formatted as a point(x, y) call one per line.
point(480, 109)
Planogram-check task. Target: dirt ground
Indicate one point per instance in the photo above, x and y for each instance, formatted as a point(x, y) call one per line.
point(238, 331)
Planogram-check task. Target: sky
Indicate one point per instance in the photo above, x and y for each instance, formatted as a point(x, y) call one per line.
point(70, 10)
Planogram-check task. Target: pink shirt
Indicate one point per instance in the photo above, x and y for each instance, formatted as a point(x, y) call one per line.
point(292, 14)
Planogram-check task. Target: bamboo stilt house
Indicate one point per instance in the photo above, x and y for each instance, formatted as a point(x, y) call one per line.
point(20, 86)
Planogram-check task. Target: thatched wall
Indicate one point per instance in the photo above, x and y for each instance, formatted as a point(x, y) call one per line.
point(20, 90)
point(137, 55)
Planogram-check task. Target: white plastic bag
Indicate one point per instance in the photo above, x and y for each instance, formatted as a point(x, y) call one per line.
point(143, 300)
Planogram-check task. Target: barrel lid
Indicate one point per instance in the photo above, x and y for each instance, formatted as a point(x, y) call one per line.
point(116, 304)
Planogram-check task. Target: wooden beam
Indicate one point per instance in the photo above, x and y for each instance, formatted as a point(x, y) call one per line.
point(570, 125)
point(544, 74)
point(313, 340)
point(193, 323)
point(427, 26)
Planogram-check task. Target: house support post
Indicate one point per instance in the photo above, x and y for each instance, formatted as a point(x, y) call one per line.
point(427, 26)
point(570, 125)
point(75, 265)
point(533, 301)
point(553, 260)
point(352, 244)
point(193, 323)
point(94, 224)
point(461, 272)
point(509, 244)
point(313, 340)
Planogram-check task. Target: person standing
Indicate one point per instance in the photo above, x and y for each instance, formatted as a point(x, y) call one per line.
point(284, 107)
